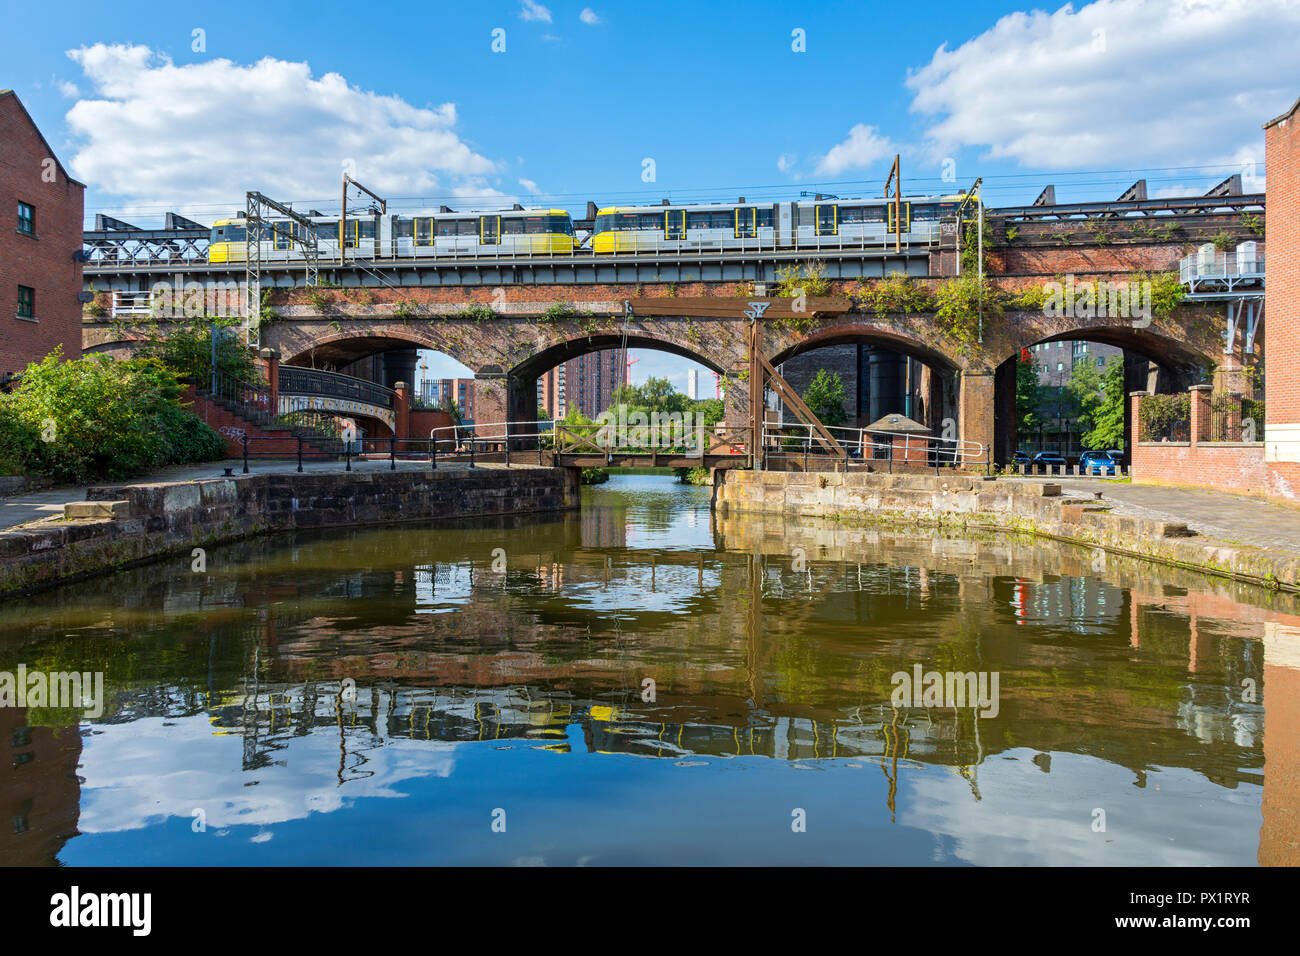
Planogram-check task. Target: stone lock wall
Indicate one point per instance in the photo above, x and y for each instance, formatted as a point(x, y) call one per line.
point(138, 523)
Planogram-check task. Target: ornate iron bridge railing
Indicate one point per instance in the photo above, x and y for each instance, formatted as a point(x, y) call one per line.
point(295, 380)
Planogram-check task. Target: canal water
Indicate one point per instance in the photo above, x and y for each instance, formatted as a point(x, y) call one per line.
point(647, 682)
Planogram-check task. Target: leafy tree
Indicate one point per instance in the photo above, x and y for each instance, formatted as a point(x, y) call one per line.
point(1100, 399)
point(1028, 395)
point(825, 397)
point(186, 348)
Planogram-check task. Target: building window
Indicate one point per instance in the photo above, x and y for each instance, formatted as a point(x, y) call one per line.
point(1101, 361)
point(1060, 366)
point(26, 302)
point(26, 219)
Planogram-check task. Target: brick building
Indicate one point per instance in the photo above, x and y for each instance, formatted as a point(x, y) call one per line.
point(1282, 304)
point(551, 389)
point(40, 280)
point(585, 383)
point(435, 391)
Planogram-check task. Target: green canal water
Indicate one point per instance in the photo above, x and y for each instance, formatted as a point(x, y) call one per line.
point(647, 682)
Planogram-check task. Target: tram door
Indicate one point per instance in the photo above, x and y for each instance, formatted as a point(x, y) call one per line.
point(675, 224)
point(489, 230)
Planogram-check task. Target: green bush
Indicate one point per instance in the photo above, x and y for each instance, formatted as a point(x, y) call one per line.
point(693, 476)
point(185, 347)
point(594, 476)
point(187, 438)
point(97, 418)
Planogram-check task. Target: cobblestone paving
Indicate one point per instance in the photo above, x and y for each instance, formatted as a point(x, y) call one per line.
point(1234, 519)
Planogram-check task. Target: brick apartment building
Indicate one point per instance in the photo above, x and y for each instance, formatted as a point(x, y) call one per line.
point(585, 383)
point(435, 391)
point(1271, 467)
point(40, 280)
point(1282, 304)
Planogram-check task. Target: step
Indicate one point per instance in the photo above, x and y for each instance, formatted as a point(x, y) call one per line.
point(97, 509)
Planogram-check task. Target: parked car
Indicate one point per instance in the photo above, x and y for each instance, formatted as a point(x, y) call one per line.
point(1098, 463)
point(1020, 458)
point(1046, 463)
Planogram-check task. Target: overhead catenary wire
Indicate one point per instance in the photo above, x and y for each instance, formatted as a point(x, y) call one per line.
point(998, 184)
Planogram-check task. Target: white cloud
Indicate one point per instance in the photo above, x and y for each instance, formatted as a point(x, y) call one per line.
point(212, 130)
point(785, 162)
point(70, 90)
point(1152, 81)
point(863, 147)
point(531, 10)
point(529, 185)
point(588, 16)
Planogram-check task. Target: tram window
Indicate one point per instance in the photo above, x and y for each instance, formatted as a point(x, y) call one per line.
point(403, 228)
point(717, 219)
point(827, 219)
point(457, 227)
point(424, 232)
point(327, 230)
point(861, 214)
point(745, 224)
point(282, 234)
point(806, 216)
point(230, 233)
point(766, 219)
point(925, 211)
point(512, 227)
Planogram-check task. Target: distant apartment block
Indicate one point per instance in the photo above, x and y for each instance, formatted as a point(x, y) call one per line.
point(435, 391)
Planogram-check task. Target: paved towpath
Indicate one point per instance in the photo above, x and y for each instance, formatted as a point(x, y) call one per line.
point(1233, 519)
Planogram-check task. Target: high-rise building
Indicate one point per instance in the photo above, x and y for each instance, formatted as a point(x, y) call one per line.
point(590, 381)
point(551, 391)
point(692, 384)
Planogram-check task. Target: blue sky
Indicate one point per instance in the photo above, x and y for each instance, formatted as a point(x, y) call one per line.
point(414, 100)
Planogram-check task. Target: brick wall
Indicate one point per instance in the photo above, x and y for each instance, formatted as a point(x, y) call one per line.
point(1239, 467)
point(30, 173)
point(1282, 311)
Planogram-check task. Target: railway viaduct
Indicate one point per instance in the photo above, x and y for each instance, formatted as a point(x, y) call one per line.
point(510, 333)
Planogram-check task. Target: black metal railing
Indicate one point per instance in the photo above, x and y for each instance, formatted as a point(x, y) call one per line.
point(1235, 418)
point(252, 401)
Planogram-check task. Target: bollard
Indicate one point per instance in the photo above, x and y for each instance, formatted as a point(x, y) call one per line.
point(471, 452)
point(433, 453)
point(347, 455)
point(392, 452)
point(244, 440)
point(300, 453)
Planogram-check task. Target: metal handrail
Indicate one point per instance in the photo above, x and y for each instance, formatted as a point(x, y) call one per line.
point(874, 445)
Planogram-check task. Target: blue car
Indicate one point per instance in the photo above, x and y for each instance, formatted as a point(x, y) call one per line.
point(1098, 463)
point(1047, 463)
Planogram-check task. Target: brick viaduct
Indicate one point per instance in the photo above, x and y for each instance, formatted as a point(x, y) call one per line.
point(525, 330)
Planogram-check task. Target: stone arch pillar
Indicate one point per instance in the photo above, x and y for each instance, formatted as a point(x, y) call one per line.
point(975, 404)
